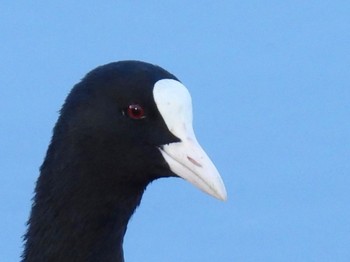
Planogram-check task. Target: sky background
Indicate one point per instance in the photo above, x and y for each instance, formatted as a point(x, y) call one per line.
point(270, 82)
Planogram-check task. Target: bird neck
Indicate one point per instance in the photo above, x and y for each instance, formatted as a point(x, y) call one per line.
point(79, 212)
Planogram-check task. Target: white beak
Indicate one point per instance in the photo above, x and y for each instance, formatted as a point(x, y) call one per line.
point(186, 159)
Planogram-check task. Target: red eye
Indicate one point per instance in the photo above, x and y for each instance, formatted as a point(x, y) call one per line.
point(136, 111)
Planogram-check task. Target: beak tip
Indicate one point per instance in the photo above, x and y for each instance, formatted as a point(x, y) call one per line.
point(219, 192)
point(222, 196)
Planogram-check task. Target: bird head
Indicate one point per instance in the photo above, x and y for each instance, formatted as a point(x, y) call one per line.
point(138, 116)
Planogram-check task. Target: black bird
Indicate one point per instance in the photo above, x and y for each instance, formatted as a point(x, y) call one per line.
point(124, 125)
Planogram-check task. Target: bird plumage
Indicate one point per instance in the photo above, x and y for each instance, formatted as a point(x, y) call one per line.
point(98, 164)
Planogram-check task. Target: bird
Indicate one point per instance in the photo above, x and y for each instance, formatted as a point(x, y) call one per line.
point(123, 126)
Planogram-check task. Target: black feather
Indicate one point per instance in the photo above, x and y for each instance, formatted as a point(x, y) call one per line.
point(97, 166)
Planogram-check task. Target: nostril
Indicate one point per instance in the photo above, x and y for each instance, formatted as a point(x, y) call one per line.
point(194, 161)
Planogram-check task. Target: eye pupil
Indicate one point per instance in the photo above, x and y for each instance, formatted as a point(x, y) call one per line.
point(135, 111)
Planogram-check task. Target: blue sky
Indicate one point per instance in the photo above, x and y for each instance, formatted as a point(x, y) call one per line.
point(270, 84)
